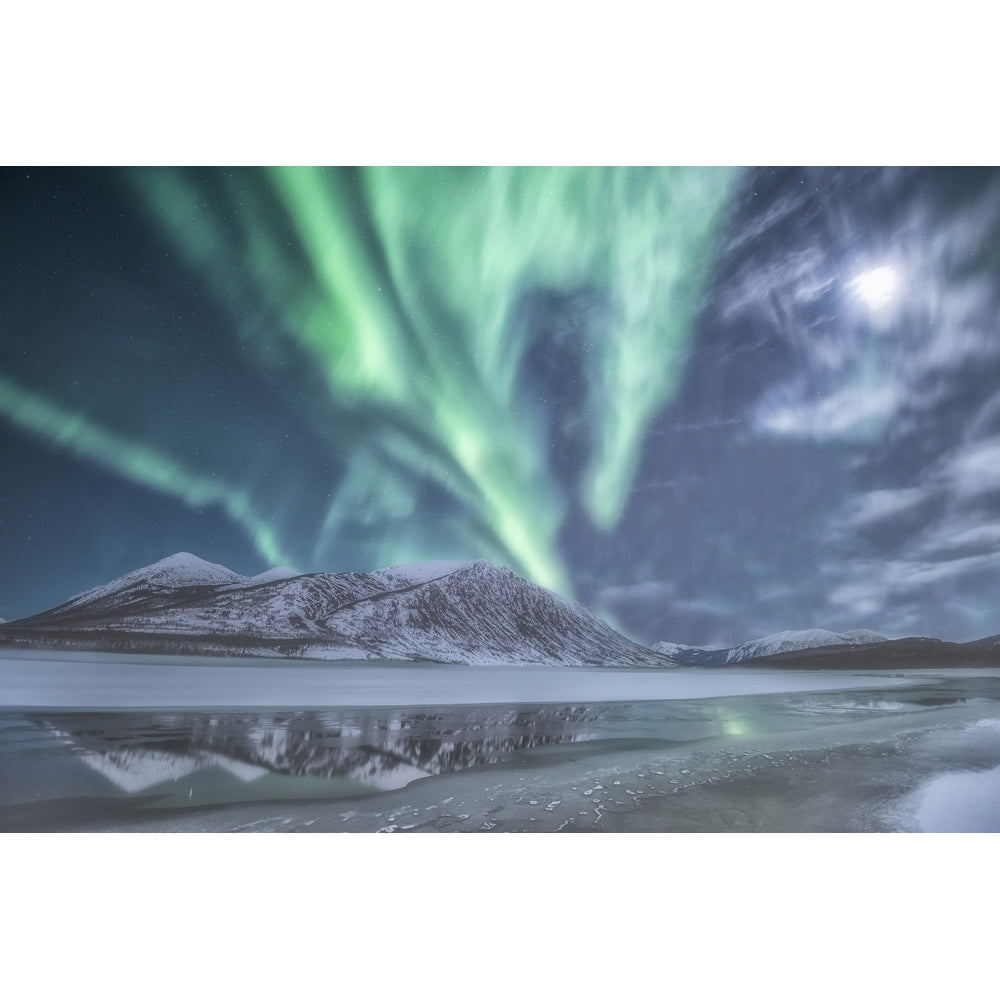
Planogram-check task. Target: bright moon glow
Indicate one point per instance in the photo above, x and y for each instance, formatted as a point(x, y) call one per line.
point(877, 287)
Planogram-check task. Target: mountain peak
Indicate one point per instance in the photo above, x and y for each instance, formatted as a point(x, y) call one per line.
point(185, 561)
point(182, 569)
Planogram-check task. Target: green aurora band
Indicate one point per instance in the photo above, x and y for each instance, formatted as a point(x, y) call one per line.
point(400, 289)
point(139, 463)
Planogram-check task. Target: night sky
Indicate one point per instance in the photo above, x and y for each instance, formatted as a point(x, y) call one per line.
point(710, 403)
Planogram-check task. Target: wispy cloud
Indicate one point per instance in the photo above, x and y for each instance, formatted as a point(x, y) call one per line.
point(862, 362)
point(958, 544)
point(885, 310)
point(872, 508)
point(854, 411)
point(974, 470)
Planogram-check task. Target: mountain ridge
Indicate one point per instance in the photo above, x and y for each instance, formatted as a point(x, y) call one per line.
point(794, 640)
point(452, 612)
point(909, 652)
point(439, 611)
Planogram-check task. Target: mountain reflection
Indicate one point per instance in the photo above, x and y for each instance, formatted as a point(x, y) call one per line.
point(379, 748)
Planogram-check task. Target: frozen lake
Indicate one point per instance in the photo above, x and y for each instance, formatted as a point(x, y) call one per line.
point(96, 680)
point(92, 742)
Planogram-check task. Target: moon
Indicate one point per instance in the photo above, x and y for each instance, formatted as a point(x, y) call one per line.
point(877, 287)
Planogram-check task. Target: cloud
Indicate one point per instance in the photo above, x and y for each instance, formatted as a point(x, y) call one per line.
point(875, 585)
point(855, 411)
point(801, 273)
point(864, 594)
point(951, 538)
point(883, 590)
point(884, 505)
point(975, 470)
point(905, 385)
point(951, 549)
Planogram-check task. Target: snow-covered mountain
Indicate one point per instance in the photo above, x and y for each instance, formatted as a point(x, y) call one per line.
point(771, 645)
point(452, 612)
point(789, 641)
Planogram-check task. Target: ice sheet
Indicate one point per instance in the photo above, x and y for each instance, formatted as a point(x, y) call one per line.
point(100, 680)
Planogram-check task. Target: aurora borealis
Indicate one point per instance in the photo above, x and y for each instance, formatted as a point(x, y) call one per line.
point(711, 403)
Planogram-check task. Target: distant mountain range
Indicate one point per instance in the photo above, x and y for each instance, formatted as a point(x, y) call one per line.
point(771, 645)
point(448, 612)
point(860, 649)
